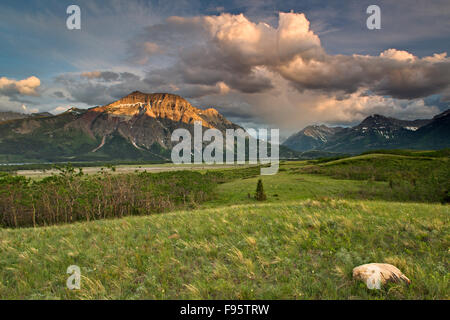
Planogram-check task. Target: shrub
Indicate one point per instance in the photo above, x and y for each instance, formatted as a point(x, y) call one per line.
point(71, 195)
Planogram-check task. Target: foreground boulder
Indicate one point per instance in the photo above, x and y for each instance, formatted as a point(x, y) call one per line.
point(376, 274)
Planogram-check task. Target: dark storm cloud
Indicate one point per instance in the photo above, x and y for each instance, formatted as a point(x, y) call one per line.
point(240, 53)
point(394, 73)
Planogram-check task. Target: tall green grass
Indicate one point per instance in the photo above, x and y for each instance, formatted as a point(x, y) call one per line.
point(301, 243)
point(292, 250)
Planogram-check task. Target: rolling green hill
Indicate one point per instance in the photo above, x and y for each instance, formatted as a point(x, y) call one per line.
point(301, 243)
point(296, 250)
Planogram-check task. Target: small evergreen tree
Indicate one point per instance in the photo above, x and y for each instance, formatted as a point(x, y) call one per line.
point(260, 195)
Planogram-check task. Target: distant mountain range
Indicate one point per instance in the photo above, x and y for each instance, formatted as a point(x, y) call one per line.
point(139, 127)
point(136, 127)
point(375, 132)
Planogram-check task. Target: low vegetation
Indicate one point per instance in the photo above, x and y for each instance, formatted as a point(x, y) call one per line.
point(410, 178)
point(319, 220)
point(296, 250)
point(72, 196)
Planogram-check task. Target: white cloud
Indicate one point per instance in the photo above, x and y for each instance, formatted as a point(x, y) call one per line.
point(12, 92)
point(231, 49)
point(287, 108)
point(399, 55)
point(26, 87)
point(283, 74)
point(280, 75)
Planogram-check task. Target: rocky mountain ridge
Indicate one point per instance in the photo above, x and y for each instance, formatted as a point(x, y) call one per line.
point(375, 132)
point(138, 126)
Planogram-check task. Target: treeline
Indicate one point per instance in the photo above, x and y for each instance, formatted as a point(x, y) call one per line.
point(72, 196)
point(12, 168)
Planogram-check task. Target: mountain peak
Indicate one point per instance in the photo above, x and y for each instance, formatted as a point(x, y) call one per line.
point(311, 137)
point(375, 120)
point(143, 95)
point(163, 107)
point(376, 132)
point(149, 99)
point(210, 111)
point(135, 94)
point(319, 130)
point(376, 116)
point(144, 119)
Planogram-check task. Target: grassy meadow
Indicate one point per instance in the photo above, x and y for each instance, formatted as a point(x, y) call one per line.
point(320, 220)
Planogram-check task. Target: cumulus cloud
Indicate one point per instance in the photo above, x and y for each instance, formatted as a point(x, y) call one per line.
point(356, 107)
point(279, 74)
point(395, 73)
point(233, 50)
point(27, 87)
point(291, 110)
point(12, 93)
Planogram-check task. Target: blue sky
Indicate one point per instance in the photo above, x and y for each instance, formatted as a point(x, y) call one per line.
point(36, 42)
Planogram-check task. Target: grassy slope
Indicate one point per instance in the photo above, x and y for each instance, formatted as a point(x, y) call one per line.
point(304, 249)
point(410, 178)
point(302, 243)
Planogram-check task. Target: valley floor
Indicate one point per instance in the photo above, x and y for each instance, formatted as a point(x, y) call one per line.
point(124, 169)
point(302, 243)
